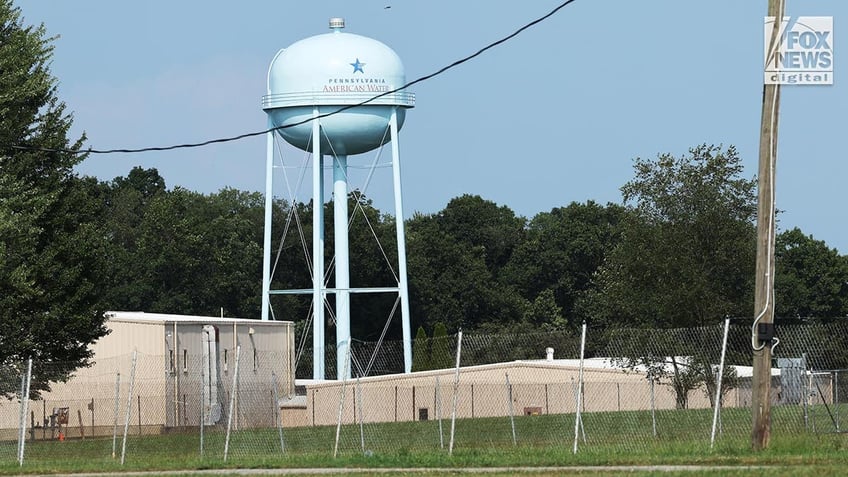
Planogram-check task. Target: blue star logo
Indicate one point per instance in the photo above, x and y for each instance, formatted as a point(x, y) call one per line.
point(357, 66)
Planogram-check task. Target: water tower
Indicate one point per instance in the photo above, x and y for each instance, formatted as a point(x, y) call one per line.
point(308, 84)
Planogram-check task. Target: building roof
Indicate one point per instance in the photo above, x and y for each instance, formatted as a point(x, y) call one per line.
point(465, 370)
point(142, 317)
point(596, 365)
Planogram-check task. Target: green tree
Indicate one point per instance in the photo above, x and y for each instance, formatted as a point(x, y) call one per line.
point(455, 261)
point(199, 254)
point(811, 279)
point(51, 249)
point(232, 227)
point(685, 259)
point(544, 313)
point(147, 183)
point(496, 230)
point(686, 254)
point(128, 199)
point(451, 282)
point(440, 348)
point(420, 351)
point(562, 251)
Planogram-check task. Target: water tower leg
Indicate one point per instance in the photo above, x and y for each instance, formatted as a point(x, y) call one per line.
point(317, 252)
point(342, 266)
point(269, 204)
point(403, 291)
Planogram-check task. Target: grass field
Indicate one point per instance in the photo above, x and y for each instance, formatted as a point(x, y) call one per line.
point(613, 438)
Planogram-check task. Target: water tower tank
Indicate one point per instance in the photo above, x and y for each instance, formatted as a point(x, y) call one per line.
point(322, 76)
point(331, 71)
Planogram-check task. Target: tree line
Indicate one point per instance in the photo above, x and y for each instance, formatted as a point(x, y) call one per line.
point(678, 251)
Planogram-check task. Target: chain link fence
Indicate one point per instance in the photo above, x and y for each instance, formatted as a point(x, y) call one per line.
point(634, 390)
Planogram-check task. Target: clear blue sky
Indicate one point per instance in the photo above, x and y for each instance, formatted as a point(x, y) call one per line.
point(554, 116)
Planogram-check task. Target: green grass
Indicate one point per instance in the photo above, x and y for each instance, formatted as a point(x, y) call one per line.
point(612, 438)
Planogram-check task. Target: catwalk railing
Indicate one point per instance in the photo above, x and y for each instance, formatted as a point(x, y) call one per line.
point(635, 389)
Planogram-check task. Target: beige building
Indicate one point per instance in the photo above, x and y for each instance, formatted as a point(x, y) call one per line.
point(184, 371)
point(535, 387)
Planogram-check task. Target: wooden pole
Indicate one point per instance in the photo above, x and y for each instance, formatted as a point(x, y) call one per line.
point(763, 330)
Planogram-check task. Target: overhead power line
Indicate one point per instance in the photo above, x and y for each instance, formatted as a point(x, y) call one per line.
point(320, 116)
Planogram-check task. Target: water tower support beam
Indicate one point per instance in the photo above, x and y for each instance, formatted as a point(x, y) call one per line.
point(340, 220)
point(403, 291)
point(317, 252)
point(269, 204)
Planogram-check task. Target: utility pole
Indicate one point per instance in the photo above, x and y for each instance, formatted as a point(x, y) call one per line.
point(763, 329)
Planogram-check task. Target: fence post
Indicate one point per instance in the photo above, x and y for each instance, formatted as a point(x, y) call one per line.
point(511, 410)
point(232, 403)
point(117, 409)
point(358, 394)
point(438, 407)
point(718, 383)
point(836, 396)
point(21, 417)
point(25, 383)
point(341, 403)
point(618, 395)
point(813, 390)
point(578, 415)
point(455, 390)
point(806, 391)
point(278, 417)
point(129, 406)
point(202, 408)
point(810, 392)
point(81, 426)
point(653, 404)
point(574, 395)
point(138, 399)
